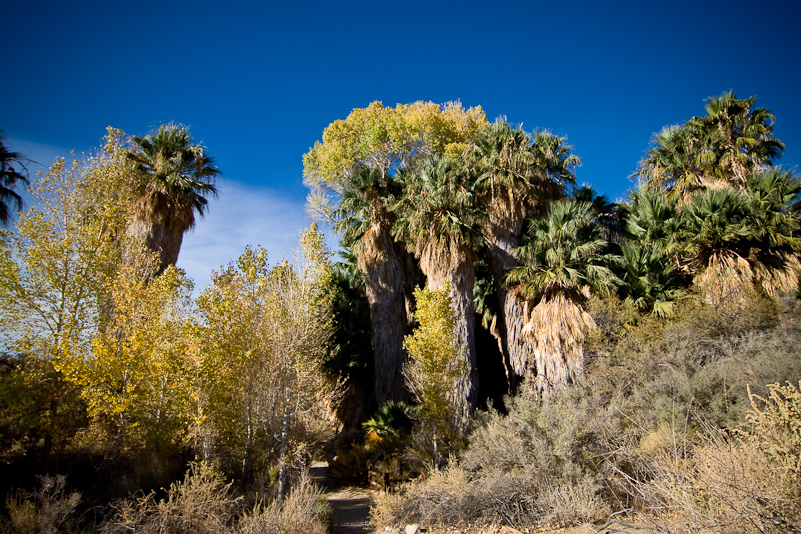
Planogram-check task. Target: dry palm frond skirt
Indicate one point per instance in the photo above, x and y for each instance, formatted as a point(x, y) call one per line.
point(556, 329)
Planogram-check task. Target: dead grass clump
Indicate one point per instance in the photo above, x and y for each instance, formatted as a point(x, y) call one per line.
point(48, 510)
point(303, 511)
point(200, 504)
point(455, 497)
point(203, 503)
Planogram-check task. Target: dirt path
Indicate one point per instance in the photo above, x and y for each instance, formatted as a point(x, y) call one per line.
point(351, 505)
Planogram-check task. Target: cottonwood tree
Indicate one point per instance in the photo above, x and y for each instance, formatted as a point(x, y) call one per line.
point(132, 380)
point(436, 371)
point(58, 265)
point(262, 338)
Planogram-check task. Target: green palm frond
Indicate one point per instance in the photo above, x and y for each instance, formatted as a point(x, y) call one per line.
point(12, 171)
point(437, 205)
point(732, 140)
point(561, 252)
point(169, 163)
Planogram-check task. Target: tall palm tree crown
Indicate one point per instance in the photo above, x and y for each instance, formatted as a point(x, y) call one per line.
point(174, 179)
point(720, 149)
point(438, 219)
point(517, 173)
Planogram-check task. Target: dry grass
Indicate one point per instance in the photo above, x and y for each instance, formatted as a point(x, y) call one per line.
point(48, 510)
point(204, 504)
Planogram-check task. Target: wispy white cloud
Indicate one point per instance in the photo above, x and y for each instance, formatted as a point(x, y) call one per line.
point(243, 215)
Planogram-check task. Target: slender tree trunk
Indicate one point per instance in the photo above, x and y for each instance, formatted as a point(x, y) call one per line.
point(384, 283)
point(436, 450)
point(282, 470)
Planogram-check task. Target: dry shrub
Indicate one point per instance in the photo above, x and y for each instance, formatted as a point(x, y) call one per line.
point(454, 497)
point(48, 510)
point(303, 511)
point(530, 467)
point(574, 502)
point(776, 432)
point(727, 485)
point(201, 504)
point(742, 481)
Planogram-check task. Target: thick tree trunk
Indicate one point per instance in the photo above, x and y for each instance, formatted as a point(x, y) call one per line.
point(501, 237)
point(384, 283)
point(159, 223)
point(455, 263)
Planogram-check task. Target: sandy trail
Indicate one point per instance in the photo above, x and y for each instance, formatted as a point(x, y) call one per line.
point(351, 504)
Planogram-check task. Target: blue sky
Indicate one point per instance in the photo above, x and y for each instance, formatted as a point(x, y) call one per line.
point(258, 82)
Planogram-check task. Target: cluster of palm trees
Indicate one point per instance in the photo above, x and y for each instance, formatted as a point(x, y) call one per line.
point(427, 202)
point(709, 206)
point(431, 220)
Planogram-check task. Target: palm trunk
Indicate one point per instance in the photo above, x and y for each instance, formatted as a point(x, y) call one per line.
point(384, 283)
point(557, 329)
point(454, 262)
point(501, 235)
point(159, 223)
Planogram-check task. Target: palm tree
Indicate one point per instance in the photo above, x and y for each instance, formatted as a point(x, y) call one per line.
point(561, 266)
point(649, 282)
point(718, 150)
point(516, 176)
point(9, 176)
point(746, 238)
point(674, 162)
point(605, 211)
point(738, 137)
point(438, 219)
point(365, 221)
point(650, 269)
point(174, 178)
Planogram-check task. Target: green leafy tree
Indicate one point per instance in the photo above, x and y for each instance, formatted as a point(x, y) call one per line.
point(350, 352)
point(437, 368)
point(173, 180)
